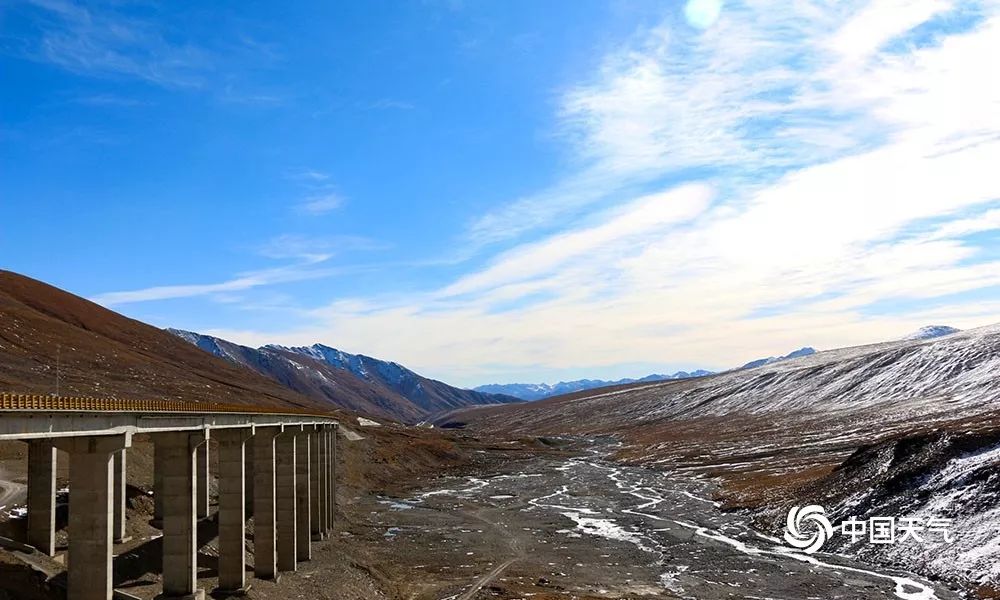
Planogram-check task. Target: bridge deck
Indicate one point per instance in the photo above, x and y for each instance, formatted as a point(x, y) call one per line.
point(26, 416)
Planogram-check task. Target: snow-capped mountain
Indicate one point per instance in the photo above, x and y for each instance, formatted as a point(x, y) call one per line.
point(538, 391)
point(354, 381)
point(760, 362)
point(931, 331)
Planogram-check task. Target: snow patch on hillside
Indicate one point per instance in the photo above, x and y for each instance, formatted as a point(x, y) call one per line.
point(931, 331)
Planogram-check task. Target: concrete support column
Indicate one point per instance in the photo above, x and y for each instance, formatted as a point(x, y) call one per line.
point(249, 482)
point(332, 466)
point(285, 488)
point(315, 485)
point(157, 487)
point(119, 469)
point(303, 511)
point(180, 532)
point(232, 509)
point(90, 466)
point(324, 474)
point(264, 546)
point(42, 496)
point(204, 476)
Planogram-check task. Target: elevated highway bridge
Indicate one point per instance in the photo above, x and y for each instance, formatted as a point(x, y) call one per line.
point(274, 464)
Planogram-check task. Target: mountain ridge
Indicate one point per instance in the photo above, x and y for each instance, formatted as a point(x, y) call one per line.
point(364, 384)
point(539, 391)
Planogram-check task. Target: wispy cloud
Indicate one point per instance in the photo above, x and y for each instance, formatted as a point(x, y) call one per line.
point(308, 258)
point(106, 42)
point(317, 249)
point(113, 40)
point(321, 196)
point(109, 100)
point(321, 204)
point(391, 104)
point(307, 175)
point(299, 271)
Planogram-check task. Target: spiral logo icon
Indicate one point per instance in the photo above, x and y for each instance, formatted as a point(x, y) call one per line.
point(802, 518)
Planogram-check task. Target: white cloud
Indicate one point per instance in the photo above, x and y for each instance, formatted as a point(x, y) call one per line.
point(849, 164)
point(650, 213)
point(321, 204)
point(245, 281)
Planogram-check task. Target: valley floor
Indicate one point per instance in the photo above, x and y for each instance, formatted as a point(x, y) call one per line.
point(554, 526)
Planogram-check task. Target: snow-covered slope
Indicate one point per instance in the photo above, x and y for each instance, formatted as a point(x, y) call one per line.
point(921, 479)
point(959, 369)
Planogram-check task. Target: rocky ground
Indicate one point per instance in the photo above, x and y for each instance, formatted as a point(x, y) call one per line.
point(576, 525)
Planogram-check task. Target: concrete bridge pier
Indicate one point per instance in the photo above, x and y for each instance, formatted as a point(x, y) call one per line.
point(303, 503)
point(42, 496)
point(324, 474)
point(316, 530)
point(264, 546)
point(331, 465)
point(204, 476)
point(249, 482)
point(232, 508)
point(180, 532)
point(157, 486)
point(119, 470)
point(285, 504)
point(90, 527)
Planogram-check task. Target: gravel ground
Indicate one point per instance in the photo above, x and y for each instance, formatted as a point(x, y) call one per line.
point(551, 527)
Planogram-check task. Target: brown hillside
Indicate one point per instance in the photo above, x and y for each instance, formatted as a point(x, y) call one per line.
point(102, 353)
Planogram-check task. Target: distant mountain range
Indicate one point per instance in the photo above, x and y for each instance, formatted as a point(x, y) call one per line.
point(359, 383)
point(538, 391)
point(387, 389)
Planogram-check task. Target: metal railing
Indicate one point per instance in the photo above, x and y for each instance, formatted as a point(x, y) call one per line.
point(41, 402)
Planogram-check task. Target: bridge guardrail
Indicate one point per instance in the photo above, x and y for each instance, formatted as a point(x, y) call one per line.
point(41, 402)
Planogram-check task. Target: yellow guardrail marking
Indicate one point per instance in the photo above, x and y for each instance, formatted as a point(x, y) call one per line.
point(45, 403)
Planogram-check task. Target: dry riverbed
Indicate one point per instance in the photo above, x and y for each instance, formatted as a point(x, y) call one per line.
point(575, 526)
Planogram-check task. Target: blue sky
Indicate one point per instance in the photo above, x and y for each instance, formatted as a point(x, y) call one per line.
point(500, 191)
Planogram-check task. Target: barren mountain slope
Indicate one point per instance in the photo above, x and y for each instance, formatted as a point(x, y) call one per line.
point(102, 353)
point(359, 383)
point(895, 384)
